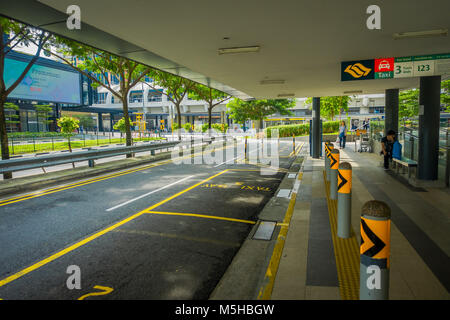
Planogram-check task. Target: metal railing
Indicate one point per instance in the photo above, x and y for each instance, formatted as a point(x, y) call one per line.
point(13, 165)
point(21, 145)
point(42, 161)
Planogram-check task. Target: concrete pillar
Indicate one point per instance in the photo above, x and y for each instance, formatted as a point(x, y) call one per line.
point(100, 122)
point(391, 110)
point(429, 113)
point(111, 117)
point(315, 139)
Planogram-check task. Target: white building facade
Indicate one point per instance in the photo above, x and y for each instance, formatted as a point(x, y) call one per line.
point(158, 110)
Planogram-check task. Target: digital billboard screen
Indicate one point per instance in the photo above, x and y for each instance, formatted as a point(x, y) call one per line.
point(43, 83)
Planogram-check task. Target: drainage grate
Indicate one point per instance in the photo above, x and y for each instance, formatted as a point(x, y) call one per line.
point(265, 230)
point(284, 193)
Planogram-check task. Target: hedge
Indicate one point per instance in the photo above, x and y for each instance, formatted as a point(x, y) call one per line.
point(301, 129)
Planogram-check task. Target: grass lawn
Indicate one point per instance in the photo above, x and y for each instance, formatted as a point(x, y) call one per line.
point(58, 146)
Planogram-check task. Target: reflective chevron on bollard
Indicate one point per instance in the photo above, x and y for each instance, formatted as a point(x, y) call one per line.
point(334, 166)
point(375, 251)
point(344, 209)
point(328, 155)
point(326, 160)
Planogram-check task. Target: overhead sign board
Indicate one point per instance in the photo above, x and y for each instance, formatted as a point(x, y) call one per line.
point(400, 67)
point(357, 70)
point(384, 68)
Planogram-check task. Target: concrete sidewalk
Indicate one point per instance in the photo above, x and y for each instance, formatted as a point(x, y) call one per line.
point(420, 225)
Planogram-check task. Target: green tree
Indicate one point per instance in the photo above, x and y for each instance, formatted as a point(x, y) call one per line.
point(175, 89)
point(17, 34)
point(120, 125)
point(11, 115)
point(86, 121)
point(68, 125)
point(241, 111)
point(408, 103)
point(211, 96)
point(331, 106)
point(101, 67)
point(187, 127)
point(43, 112)
point(445, 94)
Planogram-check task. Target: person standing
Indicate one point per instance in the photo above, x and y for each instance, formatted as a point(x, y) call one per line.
point(387, 144)
point(342, 135)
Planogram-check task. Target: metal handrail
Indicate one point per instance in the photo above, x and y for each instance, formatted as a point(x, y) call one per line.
point(13, 165)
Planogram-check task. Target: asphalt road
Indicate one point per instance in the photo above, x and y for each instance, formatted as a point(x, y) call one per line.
point(162, 231)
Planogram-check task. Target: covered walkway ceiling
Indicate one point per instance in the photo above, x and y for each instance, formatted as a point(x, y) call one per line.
point(301, 42)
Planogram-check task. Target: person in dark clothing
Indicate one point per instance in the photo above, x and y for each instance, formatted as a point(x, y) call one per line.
point(387, 143)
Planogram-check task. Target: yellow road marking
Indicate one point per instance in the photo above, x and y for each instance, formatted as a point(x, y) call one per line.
point(105, 291)
point(96, 235)
point(269, 279)
point(74, 185)
point(201, 216)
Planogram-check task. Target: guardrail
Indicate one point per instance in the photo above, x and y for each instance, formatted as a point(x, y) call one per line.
point(12, 165)
point(42, 161)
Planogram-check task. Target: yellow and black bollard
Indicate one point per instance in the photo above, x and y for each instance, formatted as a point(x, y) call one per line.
point(245, 149)
point(375, 251)
point(328, 155)
point(344, 207)
point(293, 143)
point(327, 162)
point(334, 166)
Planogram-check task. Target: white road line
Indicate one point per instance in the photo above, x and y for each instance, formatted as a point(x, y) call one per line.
point(225, 162)
point(147, 194)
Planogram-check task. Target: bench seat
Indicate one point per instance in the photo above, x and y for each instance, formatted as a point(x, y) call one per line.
point(405, 162)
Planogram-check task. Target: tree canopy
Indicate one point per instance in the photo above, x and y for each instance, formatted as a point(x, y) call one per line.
point(176, 88)
point(212, 97)
point(408, 103)
point(101, 67)
point(14, 34)
point(331, 106)
point(241, 111)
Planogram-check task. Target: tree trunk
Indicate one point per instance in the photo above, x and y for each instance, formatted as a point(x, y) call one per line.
point(70, 150)
point(209, 117)
point(179, 121)
point(68, 142)
point(4, 137)
point(126, 116)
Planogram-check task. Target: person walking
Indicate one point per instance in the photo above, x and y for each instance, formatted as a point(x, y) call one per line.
point(387, 144)
point(342, 135)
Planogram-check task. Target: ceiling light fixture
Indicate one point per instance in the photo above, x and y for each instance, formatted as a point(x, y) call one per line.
point(281, 95)
point(272, 81)
point(353, 92)
point(420, 34)
point(239, 50)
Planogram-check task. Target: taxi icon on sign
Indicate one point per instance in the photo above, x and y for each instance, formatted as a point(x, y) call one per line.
point(384, 64)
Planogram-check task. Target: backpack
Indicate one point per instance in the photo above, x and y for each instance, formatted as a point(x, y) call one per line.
point(397, 150)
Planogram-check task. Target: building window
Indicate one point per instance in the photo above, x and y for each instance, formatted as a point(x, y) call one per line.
point(154, 96)
point(135, 96)
point(101, 97)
